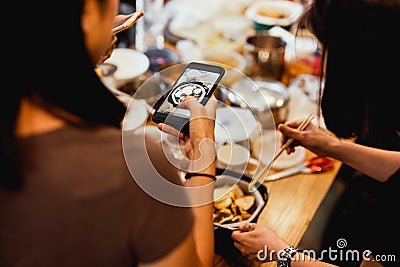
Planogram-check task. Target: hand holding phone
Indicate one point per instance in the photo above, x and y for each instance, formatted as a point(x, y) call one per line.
point(126, 21)
point(198, 80)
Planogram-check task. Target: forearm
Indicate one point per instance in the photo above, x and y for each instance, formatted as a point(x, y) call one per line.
point(204, 234)
point(203, 226)
point(376, 163)
point(203, 229)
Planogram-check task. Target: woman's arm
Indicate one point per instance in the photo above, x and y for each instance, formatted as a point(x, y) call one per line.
point(198, 248)
point(260, 243)
point(376, 163)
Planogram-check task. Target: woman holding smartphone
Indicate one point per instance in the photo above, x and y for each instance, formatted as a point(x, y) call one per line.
point(67, 197)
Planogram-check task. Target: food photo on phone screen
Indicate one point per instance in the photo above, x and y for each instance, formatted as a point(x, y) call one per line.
point(195, 83)
point(198, 83)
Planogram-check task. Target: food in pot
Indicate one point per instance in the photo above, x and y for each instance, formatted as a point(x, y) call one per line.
point(232, 204)
point(245, 203)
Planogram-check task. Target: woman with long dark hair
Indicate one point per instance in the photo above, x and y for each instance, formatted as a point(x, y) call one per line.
point(69, 185)
point(359, 107)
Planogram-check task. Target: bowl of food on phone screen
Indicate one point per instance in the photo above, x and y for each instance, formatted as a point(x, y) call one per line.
point(194, 89)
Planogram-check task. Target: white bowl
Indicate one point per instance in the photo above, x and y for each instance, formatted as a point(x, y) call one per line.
point(277, 12)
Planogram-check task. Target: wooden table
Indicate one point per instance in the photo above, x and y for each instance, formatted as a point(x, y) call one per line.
point(293, 202)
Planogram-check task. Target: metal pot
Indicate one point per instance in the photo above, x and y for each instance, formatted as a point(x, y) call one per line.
point(267, 99)
point(265, 54)
point(223, 242)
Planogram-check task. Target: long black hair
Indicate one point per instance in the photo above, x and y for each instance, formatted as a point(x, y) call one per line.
point(53, 66)
point(360, 50)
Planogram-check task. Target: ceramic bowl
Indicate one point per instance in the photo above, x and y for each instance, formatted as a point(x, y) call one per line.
point(266, 14)
point(129, 65)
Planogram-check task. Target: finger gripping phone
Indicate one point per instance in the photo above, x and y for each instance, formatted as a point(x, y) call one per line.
point(198, 80)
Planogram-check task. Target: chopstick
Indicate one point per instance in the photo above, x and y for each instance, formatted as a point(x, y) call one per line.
point(260, 177)
point(129, 21)
point(232, 228)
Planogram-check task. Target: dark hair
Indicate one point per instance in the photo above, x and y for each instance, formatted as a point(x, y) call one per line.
point(55, 67)
point(360, 48)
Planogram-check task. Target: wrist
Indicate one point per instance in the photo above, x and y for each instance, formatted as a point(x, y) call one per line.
point(189, 175)
point(202, 158)
point(200, 178)
point(206, 146)
point(334, 146)
point(286, 255)
point(201, 167)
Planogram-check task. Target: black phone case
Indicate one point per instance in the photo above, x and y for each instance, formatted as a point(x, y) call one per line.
point(179, 122)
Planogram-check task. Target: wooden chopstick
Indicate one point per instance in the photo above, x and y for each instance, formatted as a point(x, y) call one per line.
point(232, 228)
point(129, 22)
point(260, 176)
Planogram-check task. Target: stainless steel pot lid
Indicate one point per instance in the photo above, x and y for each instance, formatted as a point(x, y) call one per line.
point(258, 94)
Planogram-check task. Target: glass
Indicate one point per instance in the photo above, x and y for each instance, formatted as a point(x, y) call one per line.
point(149, 30)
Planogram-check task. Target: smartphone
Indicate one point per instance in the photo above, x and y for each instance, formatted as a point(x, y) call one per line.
point(198, 80)
point(126, 22)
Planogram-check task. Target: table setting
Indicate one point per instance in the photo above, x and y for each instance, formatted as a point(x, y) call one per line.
point(252, 102)
point(254, 42)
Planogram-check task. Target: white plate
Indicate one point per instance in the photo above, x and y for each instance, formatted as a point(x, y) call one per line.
point(130, 63)
point(135, 116)
point(265, 147)
point(234, 124)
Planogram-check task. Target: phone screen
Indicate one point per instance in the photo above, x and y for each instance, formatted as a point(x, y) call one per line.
point(193, 82)
point(198, 80)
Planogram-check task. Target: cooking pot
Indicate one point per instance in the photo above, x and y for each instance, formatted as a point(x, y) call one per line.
point(267, 99)
point(223, 241)
point(265, 55)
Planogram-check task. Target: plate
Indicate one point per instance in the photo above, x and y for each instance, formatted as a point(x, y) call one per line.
point(234, 124)
point(130, 63)
point(161, 57)
point(135, 116)
point(223, 32)
point(265, 147)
